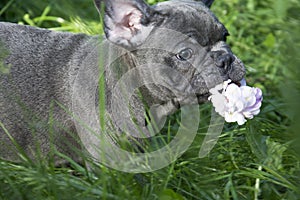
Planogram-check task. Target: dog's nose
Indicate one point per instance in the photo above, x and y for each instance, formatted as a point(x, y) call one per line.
point(221, 59)
point(224, 61)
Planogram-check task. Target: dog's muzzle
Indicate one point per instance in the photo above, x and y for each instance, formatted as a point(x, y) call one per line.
point(230, 66)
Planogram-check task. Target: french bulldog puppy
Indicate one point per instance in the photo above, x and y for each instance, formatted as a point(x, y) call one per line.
point(182, 37)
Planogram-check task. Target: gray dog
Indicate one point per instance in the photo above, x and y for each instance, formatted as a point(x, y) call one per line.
point(37, 98)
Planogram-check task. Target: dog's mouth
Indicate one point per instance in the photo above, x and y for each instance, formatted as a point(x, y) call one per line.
point(238, 83)
point(202, 98)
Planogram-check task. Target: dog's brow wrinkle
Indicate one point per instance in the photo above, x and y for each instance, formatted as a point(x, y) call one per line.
point(192, 33)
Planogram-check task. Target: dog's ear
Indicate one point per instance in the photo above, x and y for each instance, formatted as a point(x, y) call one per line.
point(208, 3)
point(127, 22)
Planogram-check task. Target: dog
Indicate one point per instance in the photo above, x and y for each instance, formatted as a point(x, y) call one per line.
point(183, 37)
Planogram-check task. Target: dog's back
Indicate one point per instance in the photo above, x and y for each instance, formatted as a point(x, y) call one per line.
point(39, 63)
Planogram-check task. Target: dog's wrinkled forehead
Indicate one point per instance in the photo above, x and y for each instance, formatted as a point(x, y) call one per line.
point(193, 19)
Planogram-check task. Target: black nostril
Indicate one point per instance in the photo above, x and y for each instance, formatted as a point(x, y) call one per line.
point(216, 54)
point(224, 61)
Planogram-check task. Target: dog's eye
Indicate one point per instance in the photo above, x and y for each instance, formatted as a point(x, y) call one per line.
point(185, 54)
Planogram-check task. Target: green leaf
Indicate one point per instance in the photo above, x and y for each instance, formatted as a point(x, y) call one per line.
point(270, 41)
point(281, 8)
point(275, 151)
point(169, 194)
point(257, 141)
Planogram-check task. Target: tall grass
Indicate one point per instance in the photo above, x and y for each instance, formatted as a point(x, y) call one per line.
point(259, 160)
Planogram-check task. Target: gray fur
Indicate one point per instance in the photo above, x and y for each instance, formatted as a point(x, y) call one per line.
point(44, 64)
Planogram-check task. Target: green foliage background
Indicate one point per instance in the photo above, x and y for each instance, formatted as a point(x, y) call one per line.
point(259, 160)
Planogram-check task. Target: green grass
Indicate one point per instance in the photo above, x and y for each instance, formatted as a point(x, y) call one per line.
point(259, 160)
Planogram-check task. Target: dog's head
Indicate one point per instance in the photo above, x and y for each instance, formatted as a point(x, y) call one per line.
point(182, 35)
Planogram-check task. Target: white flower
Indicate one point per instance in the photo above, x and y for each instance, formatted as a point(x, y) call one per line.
point(236, 103)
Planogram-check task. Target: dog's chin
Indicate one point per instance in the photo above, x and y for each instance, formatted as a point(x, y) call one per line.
point(202, 98)
point(192, 100)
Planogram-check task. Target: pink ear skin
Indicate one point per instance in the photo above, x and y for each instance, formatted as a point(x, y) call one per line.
point(126, 21)
point(123, 21)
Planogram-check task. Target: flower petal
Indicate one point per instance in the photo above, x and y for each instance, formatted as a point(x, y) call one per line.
point(241, 120)
point(233, 93)
point(218, 101)
point(235, 103)
point(235, 117)
point(248, 95)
